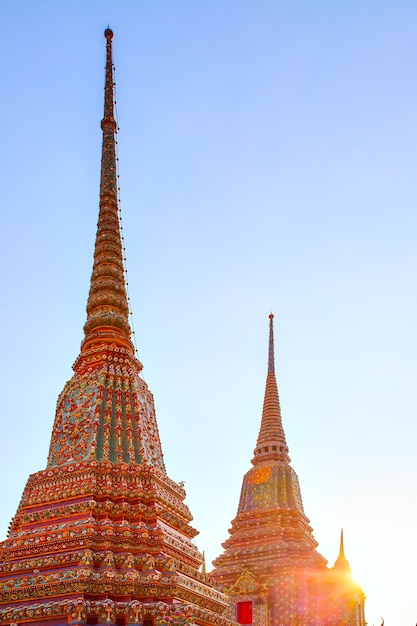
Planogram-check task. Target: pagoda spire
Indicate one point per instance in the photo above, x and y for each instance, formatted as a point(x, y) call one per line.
point(342, 546)
point(106, 411)
point(341, 561)
point(271, 443)
point(107, 306)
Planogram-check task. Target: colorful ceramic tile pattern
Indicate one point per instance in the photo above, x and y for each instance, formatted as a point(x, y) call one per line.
point(102, 535)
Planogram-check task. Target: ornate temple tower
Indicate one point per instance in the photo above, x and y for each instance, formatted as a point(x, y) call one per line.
point(270, 565)
point(103, 535)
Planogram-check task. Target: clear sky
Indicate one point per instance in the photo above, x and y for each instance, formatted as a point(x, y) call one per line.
point(268, 156)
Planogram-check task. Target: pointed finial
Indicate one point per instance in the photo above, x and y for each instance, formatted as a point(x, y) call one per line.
point(108, 118)
point(107, 306)
point(271, 358)
point(341, 562)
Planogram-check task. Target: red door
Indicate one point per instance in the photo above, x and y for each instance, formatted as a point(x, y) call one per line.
point(244, 612)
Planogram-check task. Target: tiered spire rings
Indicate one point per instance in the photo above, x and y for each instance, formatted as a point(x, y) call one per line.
point(271, 444)
point(107, 307)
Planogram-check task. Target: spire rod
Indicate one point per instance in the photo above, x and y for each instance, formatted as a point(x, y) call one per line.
point(271, 359)
point(271, 442)
point(107, 306)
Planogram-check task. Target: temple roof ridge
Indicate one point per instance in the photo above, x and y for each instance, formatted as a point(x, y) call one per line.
point(271, 443)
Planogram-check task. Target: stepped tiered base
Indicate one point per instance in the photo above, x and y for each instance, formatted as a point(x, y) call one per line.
point(96, 542)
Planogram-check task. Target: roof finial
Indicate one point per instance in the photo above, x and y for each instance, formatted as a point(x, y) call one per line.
point(107, 306)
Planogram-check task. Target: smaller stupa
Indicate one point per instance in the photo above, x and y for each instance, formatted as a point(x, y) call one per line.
point(270, 565)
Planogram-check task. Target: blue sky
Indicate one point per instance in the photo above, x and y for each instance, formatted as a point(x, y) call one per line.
point(267, 162)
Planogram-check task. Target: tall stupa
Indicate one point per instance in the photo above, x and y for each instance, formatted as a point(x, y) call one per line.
point(102, 535)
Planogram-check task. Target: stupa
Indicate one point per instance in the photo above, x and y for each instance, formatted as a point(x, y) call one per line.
point(270, 566)
point(103, 535)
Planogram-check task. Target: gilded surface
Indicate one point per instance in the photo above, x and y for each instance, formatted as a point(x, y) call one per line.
point(271, 486)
